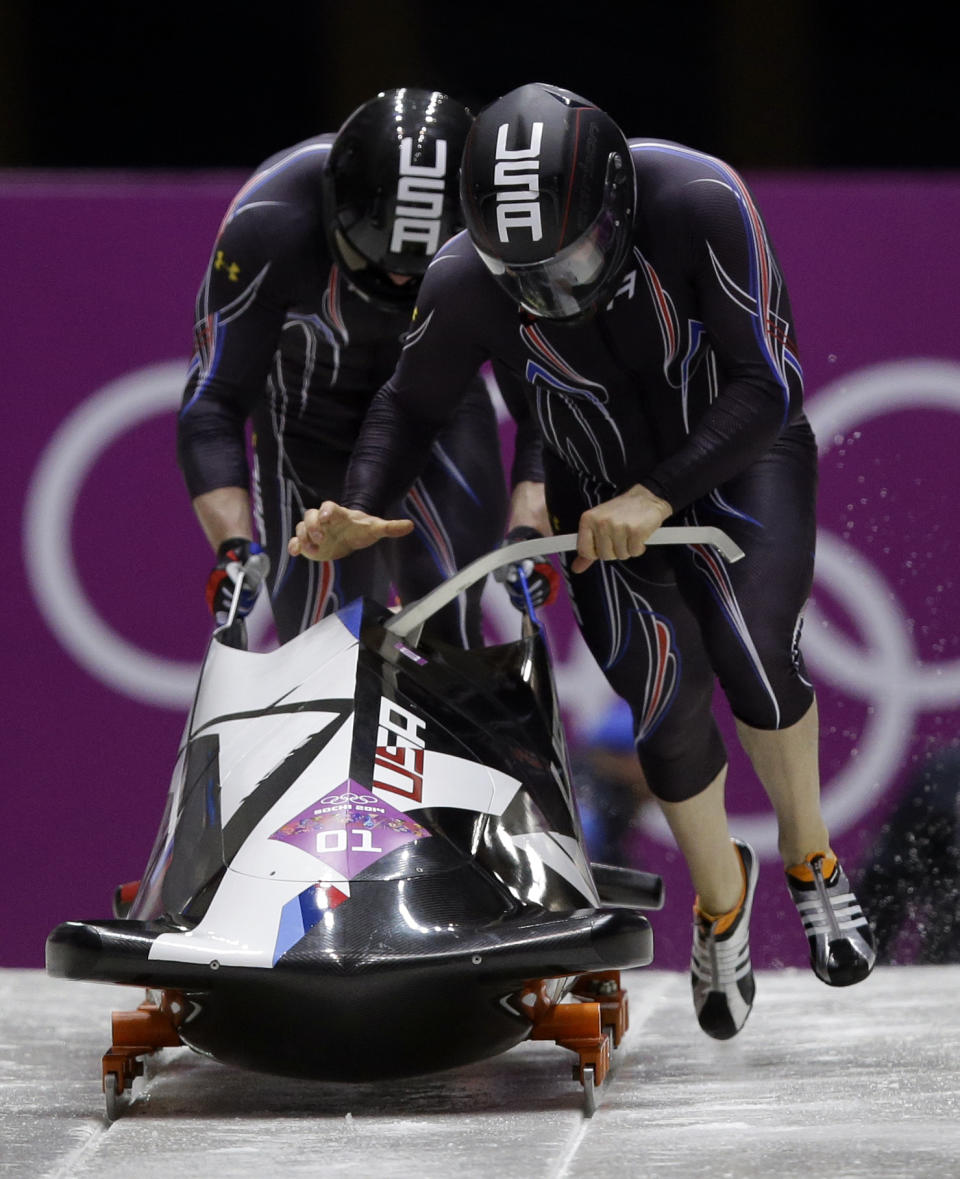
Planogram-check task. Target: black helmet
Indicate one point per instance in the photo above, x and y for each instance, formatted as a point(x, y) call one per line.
point(390, 189)
point(548, 195)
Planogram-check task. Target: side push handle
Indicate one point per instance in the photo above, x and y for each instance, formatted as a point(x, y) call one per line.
point(408, 623)
point(233, 632)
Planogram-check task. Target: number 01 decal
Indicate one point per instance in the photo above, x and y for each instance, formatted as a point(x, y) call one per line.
point(336, 841)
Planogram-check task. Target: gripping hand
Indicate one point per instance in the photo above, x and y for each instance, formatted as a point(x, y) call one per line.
point(542, 580)
point(236, 556)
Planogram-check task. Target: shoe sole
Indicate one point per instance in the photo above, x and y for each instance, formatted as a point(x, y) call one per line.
point(851, 966)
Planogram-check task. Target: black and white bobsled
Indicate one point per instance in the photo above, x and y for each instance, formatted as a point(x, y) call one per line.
point(371, 864)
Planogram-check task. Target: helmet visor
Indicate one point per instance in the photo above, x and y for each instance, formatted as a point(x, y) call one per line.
point(371, 282)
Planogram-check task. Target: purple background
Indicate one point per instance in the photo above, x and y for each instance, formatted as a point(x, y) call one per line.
point(101, 273)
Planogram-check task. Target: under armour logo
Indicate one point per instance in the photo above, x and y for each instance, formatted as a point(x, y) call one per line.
point(232, 269)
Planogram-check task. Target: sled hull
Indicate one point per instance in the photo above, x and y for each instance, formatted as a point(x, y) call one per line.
point(368, 1018)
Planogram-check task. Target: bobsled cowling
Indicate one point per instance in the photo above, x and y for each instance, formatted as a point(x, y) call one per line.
point(370, 847)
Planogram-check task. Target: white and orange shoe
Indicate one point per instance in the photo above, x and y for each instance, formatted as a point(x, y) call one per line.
point(842, 947)
point(720, 971)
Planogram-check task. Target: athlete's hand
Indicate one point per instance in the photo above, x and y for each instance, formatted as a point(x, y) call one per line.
point(542, 580)
point(330, 532)
point(619, 528)
point(235, 557)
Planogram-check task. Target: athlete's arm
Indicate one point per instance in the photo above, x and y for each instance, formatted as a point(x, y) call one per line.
point(745, 312)
point(442, 353)
point(224, 514)
point(528, 442)
point(239, 316)
point(528, 508)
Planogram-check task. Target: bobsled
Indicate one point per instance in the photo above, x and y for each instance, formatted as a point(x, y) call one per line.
point(371, 864)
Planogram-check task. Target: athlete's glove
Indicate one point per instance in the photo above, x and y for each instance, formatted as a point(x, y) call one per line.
point(236, 556)
point(542, 580)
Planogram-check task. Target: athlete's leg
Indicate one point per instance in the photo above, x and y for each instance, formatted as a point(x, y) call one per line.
point(648, 645)
point(699, 825)
point(786, 763)
point(750, 614)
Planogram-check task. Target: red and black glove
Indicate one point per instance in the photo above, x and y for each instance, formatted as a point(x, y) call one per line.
point(235, 556)
point(541, 580)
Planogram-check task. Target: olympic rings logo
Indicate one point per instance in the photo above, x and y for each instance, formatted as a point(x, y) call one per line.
point(885, 671)
point(366, 799)
point(48, 546)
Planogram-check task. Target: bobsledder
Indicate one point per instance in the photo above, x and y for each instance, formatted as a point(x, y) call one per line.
point(371, 863)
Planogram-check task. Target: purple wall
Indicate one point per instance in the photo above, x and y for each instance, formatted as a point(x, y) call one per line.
point(103, 607)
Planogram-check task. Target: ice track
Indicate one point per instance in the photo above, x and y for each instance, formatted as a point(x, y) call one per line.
point(857, 1082)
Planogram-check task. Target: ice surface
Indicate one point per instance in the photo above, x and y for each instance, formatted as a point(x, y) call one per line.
point(863, 1081)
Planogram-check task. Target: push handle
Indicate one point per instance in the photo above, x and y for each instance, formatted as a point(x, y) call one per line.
point(408, 623)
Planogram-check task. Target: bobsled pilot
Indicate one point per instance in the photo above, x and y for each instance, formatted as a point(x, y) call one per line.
point(633, 286)
point(299, 319)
